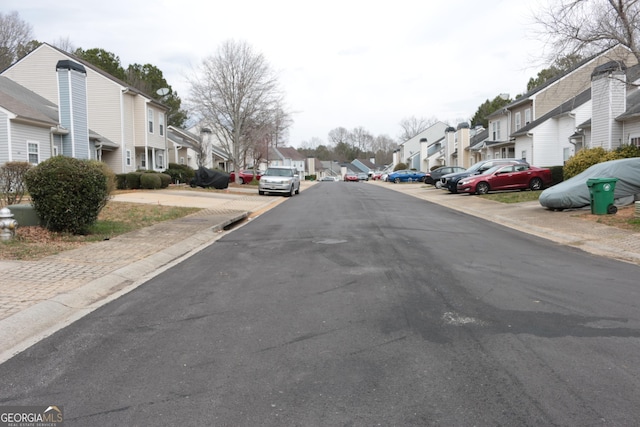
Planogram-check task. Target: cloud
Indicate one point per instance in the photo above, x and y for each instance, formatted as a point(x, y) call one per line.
point(341, 63)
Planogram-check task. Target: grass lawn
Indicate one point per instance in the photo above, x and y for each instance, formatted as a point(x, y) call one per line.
point(32, 243)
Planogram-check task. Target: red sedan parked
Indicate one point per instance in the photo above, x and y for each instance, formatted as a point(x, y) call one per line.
point(506, 177)
point(351, 177)
point(245, 176)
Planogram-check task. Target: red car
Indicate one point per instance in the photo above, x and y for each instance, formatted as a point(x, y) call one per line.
point(245, 176)
point(351, 177)
point(506, 177)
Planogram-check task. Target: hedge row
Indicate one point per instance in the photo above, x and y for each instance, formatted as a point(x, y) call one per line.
point(146, 180)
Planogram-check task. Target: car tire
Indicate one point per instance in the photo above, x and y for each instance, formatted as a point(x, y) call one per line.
point(438, 184)
point(241, 180)
point(260, 192)
point(397, 180)
point(298, 190)
point(291, 192)
point(482, 188)
point(535, 184)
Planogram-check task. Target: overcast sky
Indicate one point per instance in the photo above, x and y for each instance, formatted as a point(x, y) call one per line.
point(347, 63)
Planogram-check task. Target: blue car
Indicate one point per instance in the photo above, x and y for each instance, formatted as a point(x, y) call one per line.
point(406, 175)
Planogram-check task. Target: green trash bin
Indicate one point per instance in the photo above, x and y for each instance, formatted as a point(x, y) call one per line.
point(602, 192)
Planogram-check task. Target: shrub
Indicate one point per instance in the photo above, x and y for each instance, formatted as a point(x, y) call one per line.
point(556, 174)
point(582, 160)
point(121, 181)
point(586, 158)
point(12, 185)
point(165, 180)
point(133, 180)
point(108, 173)
point(180, 173)
point(624, 152)
point(150, 181)
point(400, 166)
point(67, 193)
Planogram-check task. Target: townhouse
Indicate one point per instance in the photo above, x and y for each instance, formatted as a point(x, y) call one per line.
point(415, 151)
point(96, 115)
point(509, 129)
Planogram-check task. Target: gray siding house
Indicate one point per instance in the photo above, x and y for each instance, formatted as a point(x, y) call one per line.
point(104, 118)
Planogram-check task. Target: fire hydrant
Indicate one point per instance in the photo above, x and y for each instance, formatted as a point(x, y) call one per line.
point(8, 225)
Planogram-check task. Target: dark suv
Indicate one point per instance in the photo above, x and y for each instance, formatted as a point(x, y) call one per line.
point(450, 181)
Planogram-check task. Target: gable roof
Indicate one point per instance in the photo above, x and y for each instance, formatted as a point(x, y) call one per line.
point(526, 97)
point(366, 163)
point(478, 139)
point(563, 108)
point(633, 107)
point(290, 153)
point(97, 70)
point(25, 104)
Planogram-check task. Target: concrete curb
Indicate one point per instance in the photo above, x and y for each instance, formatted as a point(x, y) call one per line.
point(48, 316)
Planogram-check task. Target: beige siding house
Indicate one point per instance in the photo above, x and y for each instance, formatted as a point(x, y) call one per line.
point(538, 102)
point(127, 127)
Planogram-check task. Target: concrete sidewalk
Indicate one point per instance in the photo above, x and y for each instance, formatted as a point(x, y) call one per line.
point(40, 297)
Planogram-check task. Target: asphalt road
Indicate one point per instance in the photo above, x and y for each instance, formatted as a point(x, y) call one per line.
point(356, 305)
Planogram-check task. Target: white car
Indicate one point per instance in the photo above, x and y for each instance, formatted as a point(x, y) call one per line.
point(279, 179)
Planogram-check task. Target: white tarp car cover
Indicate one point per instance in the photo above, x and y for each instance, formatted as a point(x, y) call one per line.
point(574, 192)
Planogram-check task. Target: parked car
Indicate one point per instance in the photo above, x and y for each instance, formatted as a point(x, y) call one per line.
point(574, 192)
point(279, 179)
point(407, 175)
point(434, 176)
point(363, 177)
point(245, 176)
point(351, 177)
point(376, 175)
point(328, 179)
point(450, 181)
point(506, 177)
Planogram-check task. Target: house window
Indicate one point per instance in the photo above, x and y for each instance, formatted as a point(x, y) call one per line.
point(143, 161)
point(182, 160)
point(566, 153)
point(527, 116)
point(523, 155)
point(161, 124)
point(495, 128)
point(150, 117)
point(128, 158)
point(635, 140)
point(33, 150)
point(160, 161)
point(518, 120)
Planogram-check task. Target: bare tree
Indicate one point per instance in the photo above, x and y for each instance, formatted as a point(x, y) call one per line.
point(583, 27)
point(383, 147)
point(412, 126)
point(338, 135)
point(235, 95)
point(14, 35)
point(65, 44)
point(361, 139)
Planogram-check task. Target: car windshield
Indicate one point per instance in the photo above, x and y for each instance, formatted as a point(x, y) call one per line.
point(279, 172)
point(476, 166)
point(492, 170)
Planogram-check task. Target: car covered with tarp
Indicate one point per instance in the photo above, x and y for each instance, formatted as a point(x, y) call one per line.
point(574, 193)
point(209, 178)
